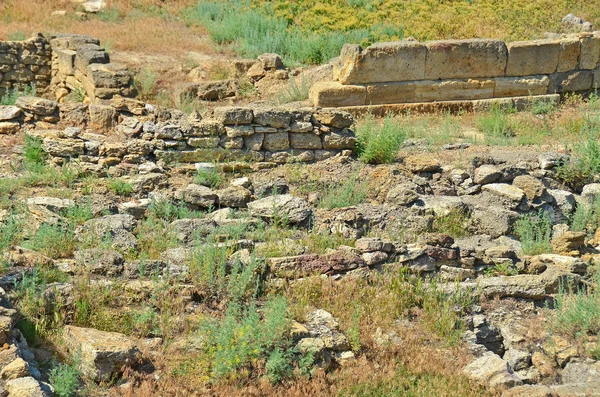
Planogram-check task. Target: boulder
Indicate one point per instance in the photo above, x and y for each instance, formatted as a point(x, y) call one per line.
point(117, 228)
point(8, 113)
point(403, 194)
point(282, 208)
point(492, 371)
point(187, 230)
point(293, 267)
point(102, 354)
point(18, 368)
point(63, 147)
point(99, 261)
point(573, 24)
point(198, 195)
point(37, 106)
point(422, 163)
point(27, 387)
point(533, 187)
point(569, 243)
point(234, 197)
point(486, 174)
point(590, 193)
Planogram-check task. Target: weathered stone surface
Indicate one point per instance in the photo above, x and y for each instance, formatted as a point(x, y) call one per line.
point(486, 174)
point(110, 75)
point(27, 387)
point(285, 207)
point(381, 62)
point(403, 194)
point(590, 52)
point(102, 354)
point(9, 127)
point(526, 58)
point(344, 139)
point(198, 195)
point(234, 196)
point(492, 371)
point(88, 54)
point(307, 265)
point(9, 112)
point(276, 141)
point(512, 193)
point(230, 115)
point(272, 118)
point(569, 54)
point(422, 163)
point(37, 106)
point(102, 116)
point(300, 140)
point(578, 80)
point(569, 243)
point(63, 147)
point(580, 370)
point(531, 186)
point(99, 261)
point(210, 90)
point(332, 94)
point(18, 368)
point(590, 193)
point(471, 58)
point(520, 86)
point(186, 230)
point(334, 118)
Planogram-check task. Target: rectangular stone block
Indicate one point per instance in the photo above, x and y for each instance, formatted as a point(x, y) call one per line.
point(578, 80)
point(384, 93)
point(568, 56)
point(457, 59)
point(276, 141)
point(449, 90)
point(330, 94)
point(110, 75)
point(300, 140)
point(204, 142)
point(526, 58)
point(518, 86)
point(254, 142)
point(381, 62)
point(590, 52)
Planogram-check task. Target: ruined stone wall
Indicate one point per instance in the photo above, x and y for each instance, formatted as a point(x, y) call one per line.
point(80, 65)
point(25, 63)
point(412, 72)
point(128, 131)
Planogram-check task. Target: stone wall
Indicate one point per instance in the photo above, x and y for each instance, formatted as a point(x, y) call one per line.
point(62, 64)
point(81, 65)
point(412, 72)
point(25, 63)
point(128, 131)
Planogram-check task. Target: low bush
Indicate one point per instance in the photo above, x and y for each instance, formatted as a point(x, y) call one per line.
point(577, 313)
point(586, 217)
point(65, 379)
point(209, 178)
point(535, 233)
point(379, 142)
point(11, 96)
point(120, 187)
point(345, 194)
point(34, 157)
point(584, 163)
point(456, 223)
point(53, 241)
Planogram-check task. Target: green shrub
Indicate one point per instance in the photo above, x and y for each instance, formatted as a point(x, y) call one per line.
point(584, 163)
point(252, 31)
point(379, 143)
point(456, 223)
point(78, 213)
point(54, 241)
point(243, 336)
point(120, 187)
point(65, 379)
point(346, 194)
point(586, 217)
point(11, 96)
point(577, 312)
point(145, 82)
point(295, 91)
point(534, 232)
point(34, 157)
point(10, 232)
point(209, 178)
point(168, 211)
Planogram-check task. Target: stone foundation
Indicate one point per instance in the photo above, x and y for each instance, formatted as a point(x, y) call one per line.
point(453, 70)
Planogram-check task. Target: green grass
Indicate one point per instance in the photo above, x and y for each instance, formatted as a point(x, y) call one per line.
point(11, 96)
point(534, 232)
point(577, 313)
point(209, 178)
point(34, 157)
point(379, 143)
point(252, 31)
point(455, 223)
point(119, 187)
point(352, 191)
point(295, 91)
point(586, 217)
point(53, 241)
point(496, 126)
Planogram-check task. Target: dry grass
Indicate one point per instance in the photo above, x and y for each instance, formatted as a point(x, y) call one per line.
point(140, 25)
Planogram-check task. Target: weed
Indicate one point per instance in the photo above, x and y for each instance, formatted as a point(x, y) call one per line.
point(78, 213)
point(10, 232)
point(120, 187)
point(586, 217)
point(294, 92)
point(209, 178)
point(111, 15)
point(145, 82)
point(278, 366)
point(11, 96)
point(53, 241)
point(65, 379)
point(496, 125)
point(34, 157)
point(379, 143)
point(77, 95)
point(154, 238)
point(17, 36)
point(346, 194)
point(168, 211)
point(535, 232)
point(504, 268)
point(577, 314)
point(456, 223)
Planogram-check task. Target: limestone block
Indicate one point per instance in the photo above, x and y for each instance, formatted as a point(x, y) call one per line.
point(88, 54)
point(272, 118)
point(578, 80)
point(330, 94)
point(448, 90)
point(568, 56)
point(455, 59)
point(110, 75)
point(344, 139)
point(527, 58)
point(204, 142)
point(519, 86)
point(590, 52)
point(276, 141)
point(233, 115)
point(321, 155)
point(254, 142)
point(102, 116)
point(381, 62)
point(300, 140)
point(9, 127)
point(385, 93)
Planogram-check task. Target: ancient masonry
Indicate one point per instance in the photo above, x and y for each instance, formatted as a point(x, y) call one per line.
point(406, 72)
point(141, 133)
point(60, 65)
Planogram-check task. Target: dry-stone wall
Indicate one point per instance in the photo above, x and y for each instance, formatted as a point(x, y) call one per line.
point(60, 65)
point(25, 63)
point(128, 131)
point(412, 72)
